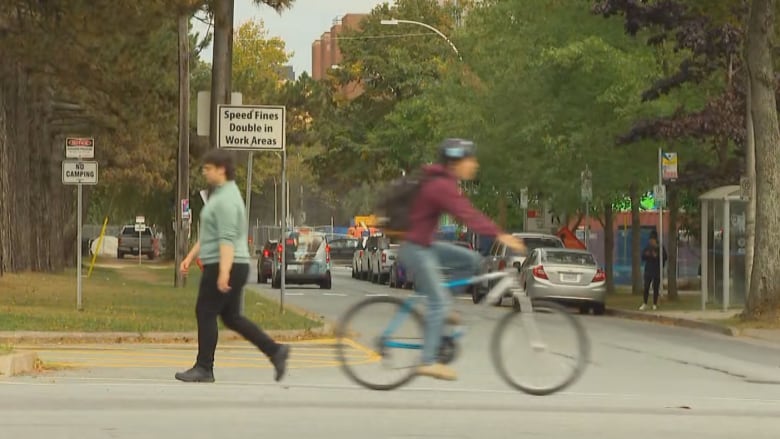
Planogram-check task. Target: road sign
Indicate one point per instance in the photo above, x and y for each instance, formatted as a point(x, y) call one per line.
point(140, 227)
point(669, 165)
point(251, 127)
point(74, 172)
point(659, 193)
point(185, 209)
point(744, 188)
point(524, 198)
point(140, 219)
point(79, 148)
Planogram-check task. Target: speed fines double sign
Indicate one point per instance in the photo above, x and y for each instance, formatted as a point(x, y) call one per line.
point(78, 172)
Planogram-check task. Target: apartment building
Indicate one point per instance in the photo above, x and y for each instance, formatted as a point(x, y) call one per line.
point(325, 52)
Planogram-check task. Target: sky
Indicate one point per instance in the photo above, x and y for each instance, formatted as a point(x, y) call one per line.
point(299, 26)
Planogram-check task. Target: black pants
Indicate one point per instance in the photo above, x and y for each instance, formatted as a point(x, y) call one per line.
point(656, 281)
point(213, 303)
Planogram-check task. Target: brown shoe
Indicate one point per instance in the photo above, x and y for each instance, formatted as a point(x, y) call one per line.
point(438, 371)
point(453, 319)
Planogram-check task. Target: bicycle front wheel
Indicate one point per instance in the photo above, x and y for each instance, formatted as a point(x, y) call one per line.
point(540, 352)
point(373, 358)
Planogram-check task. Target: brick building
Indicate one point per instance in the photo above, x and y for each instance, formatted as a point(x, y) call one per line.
point(325, 52)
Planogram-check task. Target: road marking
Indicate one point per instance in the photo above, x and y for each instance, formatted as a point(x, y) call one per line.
point(334, 294)
point(377, 294)
point(294, 294)
point(308, 354)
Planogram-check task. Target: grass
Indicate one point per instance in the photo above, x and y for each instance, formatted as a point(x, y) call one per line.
point(132, 298)
point(739, 323)
point(624, 300)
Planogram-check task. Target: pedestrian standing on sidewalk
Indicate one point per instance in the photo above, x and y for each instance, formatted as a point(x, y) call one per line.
point(224, 251)
point(652, 257)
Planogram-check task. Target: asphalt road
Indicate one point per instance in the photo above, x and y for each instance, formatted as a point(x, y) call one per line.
point(644, 381)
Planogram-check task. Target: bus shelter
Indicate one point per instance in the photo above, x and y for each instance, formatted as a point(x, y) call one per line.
point(723, 241)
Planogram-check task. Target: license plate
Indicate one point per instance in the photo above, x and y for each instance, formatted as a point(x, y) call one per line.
point(293, 268)
point(568, 277)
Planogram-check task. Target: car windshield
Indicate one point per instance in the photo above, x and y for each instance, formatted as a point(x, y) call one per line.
point(568, 258)
point(534, 243)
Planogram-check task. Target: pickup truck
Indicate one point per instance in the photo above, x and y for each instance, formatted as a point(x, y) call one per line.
point(381, 262)
point(128, 242)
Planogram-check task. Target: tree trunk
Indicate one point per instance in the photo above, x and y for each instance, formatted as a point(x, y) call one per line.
point(502, 212)
point(609, 247)
point(34, 204)
point(221, 69)
point(636, 241)
point(674, 208)
point(763, 300)
point(750, 173)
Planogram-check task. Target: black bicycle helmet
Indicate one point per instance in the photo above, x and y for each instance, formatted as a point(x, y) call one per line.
point(453, 149)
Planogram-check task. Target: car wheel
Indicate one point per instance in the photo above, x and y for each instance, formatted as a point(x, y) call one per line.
point(120, 255)
point(599, 308)
point(276, 282)
point(584, 308)
point(259, 277)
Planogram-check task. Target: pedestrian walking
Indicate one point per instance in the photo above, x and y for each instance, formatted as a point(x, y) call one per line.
point(224, 252)
point(652, 257)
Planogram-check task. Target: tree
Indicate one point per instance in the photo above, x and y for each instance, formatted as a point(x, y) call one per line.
point(764, 296)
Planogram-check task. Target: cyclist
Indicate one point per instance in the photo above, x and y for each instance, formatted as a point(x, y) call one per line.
point(439, 195)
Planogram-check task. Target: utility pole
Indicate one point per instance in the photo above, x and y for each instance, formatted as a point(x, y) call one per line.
point(183, 171)
point(221, 70)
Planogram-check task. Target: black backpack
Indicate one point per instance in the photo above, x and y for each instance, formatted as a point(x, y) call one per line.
point(396, 200)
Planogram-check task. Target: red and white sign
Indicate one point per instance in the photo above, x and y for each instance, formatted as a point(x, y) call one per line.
point(80, 148)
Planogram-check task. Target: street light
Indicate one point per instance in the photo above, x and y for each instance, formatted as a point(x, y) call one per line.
point(395, 22)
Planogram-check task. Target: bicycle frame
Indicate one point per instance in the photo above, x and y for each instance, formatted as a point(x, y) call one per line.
point(508, 282)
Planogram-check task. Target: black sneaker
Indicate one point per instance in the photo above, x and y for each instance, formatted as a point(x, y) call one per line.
point(279, 360)
point(196, 374)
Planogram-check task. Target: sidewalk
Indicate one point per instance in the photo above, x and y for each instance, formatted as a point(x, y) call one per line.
point(718, 321)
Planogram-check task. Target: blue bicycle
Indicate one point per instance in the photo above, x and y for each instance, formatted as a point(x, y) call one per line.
point(530, 314)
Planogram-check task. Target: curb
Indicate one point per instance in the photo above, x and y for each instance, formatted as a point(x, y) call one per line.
point(676, 321)
point(17, 363)
point(39, 337)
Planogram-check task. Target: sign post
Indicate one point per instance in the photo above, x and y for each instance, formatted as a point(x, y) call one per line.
point(257, 128)
point(524, 206)
point(77, 172)
point(586, 192)
point(140, 227)
point(667, 170)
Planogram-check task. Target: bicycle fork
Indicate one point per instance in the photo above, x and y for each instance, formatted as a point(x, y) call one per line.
point(527, 317)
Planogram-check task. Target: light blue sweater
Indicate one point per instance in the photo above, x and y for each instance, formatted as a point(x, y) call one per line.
point(223, 221)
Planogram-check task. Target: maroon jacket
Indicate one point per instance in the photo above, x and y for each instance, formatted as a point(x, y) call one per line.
point(438, 196)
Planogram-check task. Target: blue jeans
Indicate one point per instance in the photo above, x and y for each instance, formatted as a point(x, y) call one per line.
point(425, 262)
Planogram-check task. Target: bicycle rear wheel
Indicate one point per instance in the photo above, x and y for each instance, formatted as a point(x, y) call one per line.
point(554, 324)
point(366, 339)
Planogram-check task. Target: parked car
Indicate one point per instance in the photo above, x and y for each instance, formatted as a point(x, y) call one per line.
point(129, 242)
point(265, 261)
point(308, 261)
point(342, 250)
point(500, 257)
point(571, 276)
point(401, 277)
point(368, 256)
point(357, 258)
point(381, 262)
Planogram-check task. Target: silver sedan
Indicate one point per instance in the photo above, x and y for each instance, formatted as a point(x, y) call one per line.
point(565, 275)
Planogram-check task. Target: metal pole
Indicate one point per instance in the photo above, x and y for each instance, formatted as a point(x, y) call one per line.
point(726, 240)
point(285, 199)
point(587, 224)
point(79, 302)
point(140, 238)
point(661, 223)
point(276, 204)
point(249, 166)
point(705, 233)
point(183, 172)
